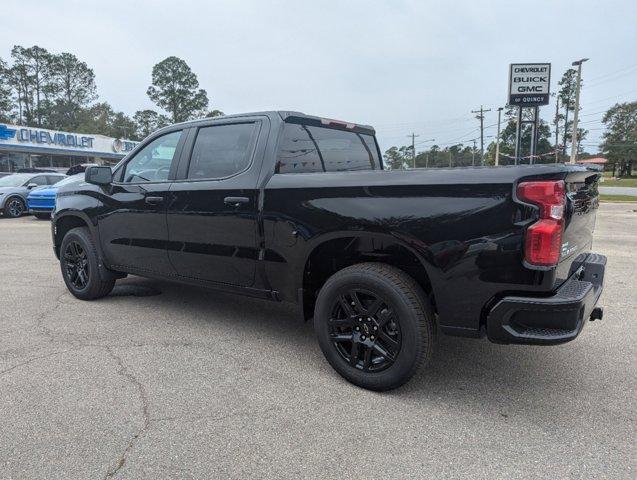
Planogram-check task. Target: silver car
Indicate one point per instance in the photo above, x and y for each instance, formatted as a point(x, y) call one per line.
point(15, 188)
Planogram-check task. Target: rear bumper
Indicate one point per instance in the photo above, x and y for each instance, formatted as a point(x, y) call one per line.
point(555, 319)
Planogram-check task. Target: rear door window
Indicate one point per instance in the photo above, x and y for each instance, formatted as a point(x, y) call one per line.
point(40, 180)
point(52, 180)
point(306, 148)
point(222, 150)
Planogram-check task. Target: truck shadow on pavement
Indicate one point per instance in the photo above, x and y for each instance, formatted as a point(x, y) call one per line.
point(466, 372)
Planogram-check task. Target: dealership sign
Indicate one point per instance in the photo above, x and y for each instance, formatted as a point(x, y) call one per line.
point(39, 138)
point(529, 84)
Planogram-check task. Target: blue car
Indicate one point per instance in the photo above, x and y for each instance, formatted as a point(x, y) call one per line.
point(41, 201)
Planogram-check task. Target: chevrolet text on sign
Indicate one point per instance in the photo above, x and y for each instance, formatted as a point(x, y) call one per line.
point(529, 84)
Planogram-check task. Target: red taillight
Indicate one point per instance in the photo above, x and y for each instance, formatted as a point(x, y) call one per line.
point(542, 246)
point(543, 238)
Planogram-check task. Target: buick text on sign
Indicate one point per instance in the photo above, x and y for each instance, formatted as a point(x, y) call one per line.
point(529, 84)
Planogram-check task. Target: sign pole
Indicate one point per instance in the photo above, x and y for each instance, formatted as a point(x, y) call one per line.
point(518, 129)
point(534, 126)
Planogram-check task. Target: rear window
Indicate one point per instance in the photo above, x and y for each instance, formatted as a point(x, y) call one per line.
point(306, 149)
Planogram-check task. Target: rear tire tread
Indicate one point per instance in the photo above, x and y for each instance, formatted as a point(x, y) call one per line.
point(416, 300)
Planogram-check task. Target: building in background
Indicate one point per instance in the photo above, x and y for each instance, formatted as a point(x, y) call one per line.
point(30, 147)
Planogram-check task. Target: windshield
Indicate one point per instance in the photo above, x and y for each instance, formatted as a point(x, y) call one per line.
point(15, 180)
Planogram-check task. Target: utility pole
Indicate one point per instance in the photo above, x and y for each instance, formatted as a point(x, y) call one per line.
point(413, 147)
point(534, 131)
point(497, 144)
point(578, 64)
point(557, 127)
point(480, 117)
point(473, 153)
point(518, 140)
point(568, 105)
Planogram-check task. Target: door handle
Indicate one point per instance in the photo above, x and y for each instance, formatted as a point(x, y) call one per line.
point(235, 201)
point(154, 200)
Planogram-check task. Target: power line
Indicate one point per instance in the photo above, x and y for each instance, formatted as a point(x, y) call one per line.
point(610, 79)
point(629, 67)
point(608, 98)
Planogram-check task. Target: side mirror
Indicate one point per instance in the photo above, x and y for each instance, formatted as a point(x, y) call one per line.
point(32, 185)
point(98, 175)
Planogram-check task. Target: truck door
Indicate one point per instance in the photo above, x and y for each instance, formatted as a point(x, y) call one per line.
point(132, 226)
point(213, 214)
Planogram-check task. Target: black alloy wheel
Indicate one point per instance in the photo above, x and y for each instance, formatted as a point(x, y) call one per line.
point(15, 207)
point(80, 265)
point(375, 325)
point(76, 263)
point(365, 330)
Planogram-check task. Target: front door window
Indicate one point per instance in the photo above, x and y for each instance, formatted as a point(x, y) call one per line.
point(152, 163)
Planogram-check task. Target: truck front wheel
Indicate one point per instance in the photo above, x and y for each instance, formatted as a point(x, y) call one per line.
point(79, 262)
point(374, 325)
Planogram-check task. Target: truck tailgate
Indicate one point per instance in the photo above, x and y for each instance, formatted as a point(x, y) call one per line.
point(582, 202)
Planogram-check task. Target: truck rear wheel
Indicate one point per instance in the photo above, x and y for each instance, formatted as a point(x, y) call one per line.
point(79, 262)
point(374, 325)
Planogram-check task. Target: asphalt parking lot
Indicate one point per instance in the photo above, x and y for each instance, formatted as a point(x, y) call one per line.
point(188, 383)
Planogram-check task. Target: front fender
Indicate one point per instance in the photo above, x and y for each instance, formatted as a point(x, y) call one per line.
point(6, 195)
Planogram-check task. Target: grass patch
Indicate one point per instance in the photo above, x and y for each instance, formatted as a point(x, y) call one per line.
point(624, 182)
point(617, 198)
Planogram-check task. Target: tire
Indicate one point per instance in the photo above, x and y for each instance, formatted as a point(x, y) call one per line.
point(384, 312)
point(78, 253)
point(14, 207)
point(42, 216)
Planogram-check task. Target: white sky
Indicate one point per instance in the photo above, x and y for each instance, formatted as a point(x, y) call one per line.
point(401, 66)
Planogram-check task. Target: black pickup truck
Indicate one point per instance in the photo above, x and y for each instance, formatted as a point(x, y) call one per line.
point(290, 207)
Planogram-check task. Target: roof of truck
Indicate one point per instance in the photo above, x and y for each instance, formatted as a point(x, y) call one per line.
point(293, 117)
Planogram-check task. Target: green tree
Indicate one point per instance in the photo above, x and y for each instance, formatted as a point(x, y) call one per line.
point(507, 143)
point(6, 102)
point(72, 89)
point(100, 118)
point(97, 118)
point(214, 113)
point(21, 82)
point(566, 94)
point(122, 126)
point(397, 158)
point(175, 88)
point(147, 121)
point(31, 76)
point(620, 137)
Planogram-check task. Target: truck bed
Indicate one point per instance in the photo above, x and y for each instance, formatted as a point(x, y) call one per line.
point(465, 224)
